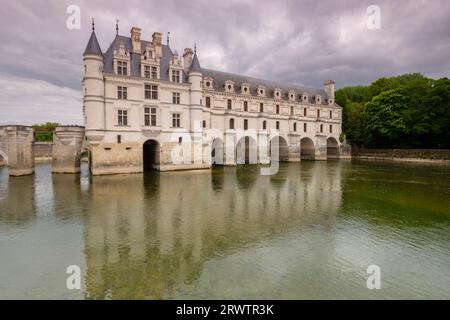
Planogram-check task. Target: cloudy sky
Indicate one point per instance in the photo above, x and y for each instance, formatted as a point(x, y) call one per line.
point(302, 42)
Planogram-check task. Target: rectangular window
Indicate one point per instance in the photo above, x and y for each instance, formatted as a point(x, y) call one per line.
point(292, 111)
point(122, 93)
point(277, 109)
point(331, 114)
point(318, 113)
point(304, 112)
point(261, 107)
point(204, 123)
point(151, 92)
point(245, 124)
point(321, 128)
point(122, 68)
point(264, 125)
point(176, 120)
point(229, 104)
point(119, 138)
point(175, 75)
point(175, 97)
point(304, 127)
point(150, 117)
point(122, 117)
point(278, 125)
point(147, 73)
point(208, 102)
point(331, 128)
point(154, 73)
point(245, 106)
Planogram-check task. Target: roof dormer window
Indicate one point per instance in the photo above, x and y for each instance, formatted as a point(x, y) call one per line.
point(277, 93)
point(229, 86)
point(304, 97)
point(318, 99)
point(208, 83)
point(292, 95)
point(261, 91)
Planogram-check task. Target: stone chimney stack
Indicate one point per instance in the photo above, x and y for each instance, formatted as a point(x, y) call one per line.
point(328, 86)
point(157, 43)
point(136, 39)
point(187, 59)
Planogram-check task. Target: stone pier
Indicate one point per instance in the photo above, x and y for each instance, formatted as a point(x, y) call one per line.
point(16, 148)
point(67, 142)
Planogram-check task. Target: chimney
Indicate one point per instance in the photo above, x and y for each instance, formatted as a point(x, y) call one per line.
point(328, 86)
point(136, 39)
point(156, 42)
point(187, 59)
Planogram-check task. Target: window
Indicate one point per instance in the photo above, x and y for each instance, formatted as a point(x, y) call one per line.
point(147, 72)
point(261, 107)
point(122, 117)
point(231, 123)
point(278, 125)
point(122, 68)
point(292, 111)
point(175, 97)
point(264, 125)
point(245, 106)
point(151, 91)
point(154, 73)
point(304, 127)
point(295, 126)
point(245, 124)
point(208, 102)
point(304, 112)
point(121, 93)
point(321, 128)
point(229, 104)
point(175, 75)
point(204, 123)
point(277, 107)
point(180, 139)
point(331, 114)
point(150, 117)
point(119, 138)
point(331, 128)
point(176, 120)
point(318, 113)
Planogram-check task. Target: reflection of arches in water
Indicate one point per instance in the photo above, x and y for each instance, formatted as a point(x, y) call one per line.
point(217, 152)
point(217, 178)
point(307, 149)
point(332, 148)
point(246, 151)
point(151, 154)
point(279, 143)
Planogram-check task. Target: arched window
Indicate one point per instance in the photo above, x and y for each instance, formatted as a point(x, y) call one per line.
point(331, 114)
point(231, 123)
point(321, 128)
point(295, 126)
point(304, 127)
point(264, 125)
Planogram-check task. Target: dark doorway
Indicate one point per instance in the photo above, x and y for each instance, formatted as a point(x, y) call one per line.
point(151, 155)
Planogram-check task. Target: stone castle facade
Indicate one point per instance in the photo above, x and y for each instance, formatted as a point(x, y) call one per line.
point(146, 107)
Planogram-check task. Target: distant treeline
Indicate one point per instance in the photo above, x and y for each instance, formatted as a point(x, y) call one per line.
point(408, 111)
point(44, 131)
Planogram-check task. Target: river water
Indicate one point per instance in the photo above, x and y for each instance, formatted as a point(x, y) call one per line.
point(308, 232)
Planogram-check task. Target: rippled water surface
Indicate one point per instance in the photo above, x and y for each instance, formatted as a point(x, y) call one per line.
point(309, 232)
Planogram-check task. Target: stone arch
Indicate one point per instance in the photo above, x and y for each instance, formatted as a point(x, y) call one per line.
point(151, 155)
point(332, 148)
point(3, 158)
point(246, 151)
point(217, 151)
point(283, 148)
point(307, 149)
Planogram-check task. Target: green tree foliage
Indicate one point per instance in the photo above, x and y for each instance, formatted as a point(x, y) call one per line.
point(408, 111)
point(44, 131)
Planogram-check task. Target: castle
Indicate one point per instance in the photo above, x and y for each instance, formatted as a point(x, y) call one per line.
point(146, 107)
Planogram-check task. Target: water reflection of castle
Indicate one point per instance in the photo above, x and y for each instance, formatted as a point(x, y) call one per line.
point(146, 236)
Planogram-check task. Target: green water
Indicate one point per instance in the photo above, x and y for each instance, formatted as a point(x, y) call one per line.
point(309, 232)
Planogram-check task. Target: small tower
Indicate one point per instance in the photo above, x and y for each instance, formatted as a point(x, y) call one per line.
point(93, 87)
point(329, 88)
point(195, 79)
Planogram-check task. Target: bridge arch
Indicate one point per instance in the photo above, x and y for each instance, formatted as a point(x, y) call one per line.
point(332, 148)
point(283, 148)
point(246, 151)
point(307, 149)
point(217, 151)
point(151, 154)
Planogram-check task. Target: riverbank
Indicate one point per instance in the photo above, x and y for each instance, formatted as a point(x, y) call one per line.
point(436, 156)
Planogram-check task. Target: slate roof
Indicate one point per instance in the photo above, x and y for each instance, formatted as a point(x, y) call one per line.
point(93, 47)
point(219, 77)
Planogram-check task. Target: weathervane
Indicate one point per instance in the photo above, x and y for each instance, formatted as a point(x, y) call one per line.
point(168, 34)
point(195, 47)
point(117, 27)
point(93, 25)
